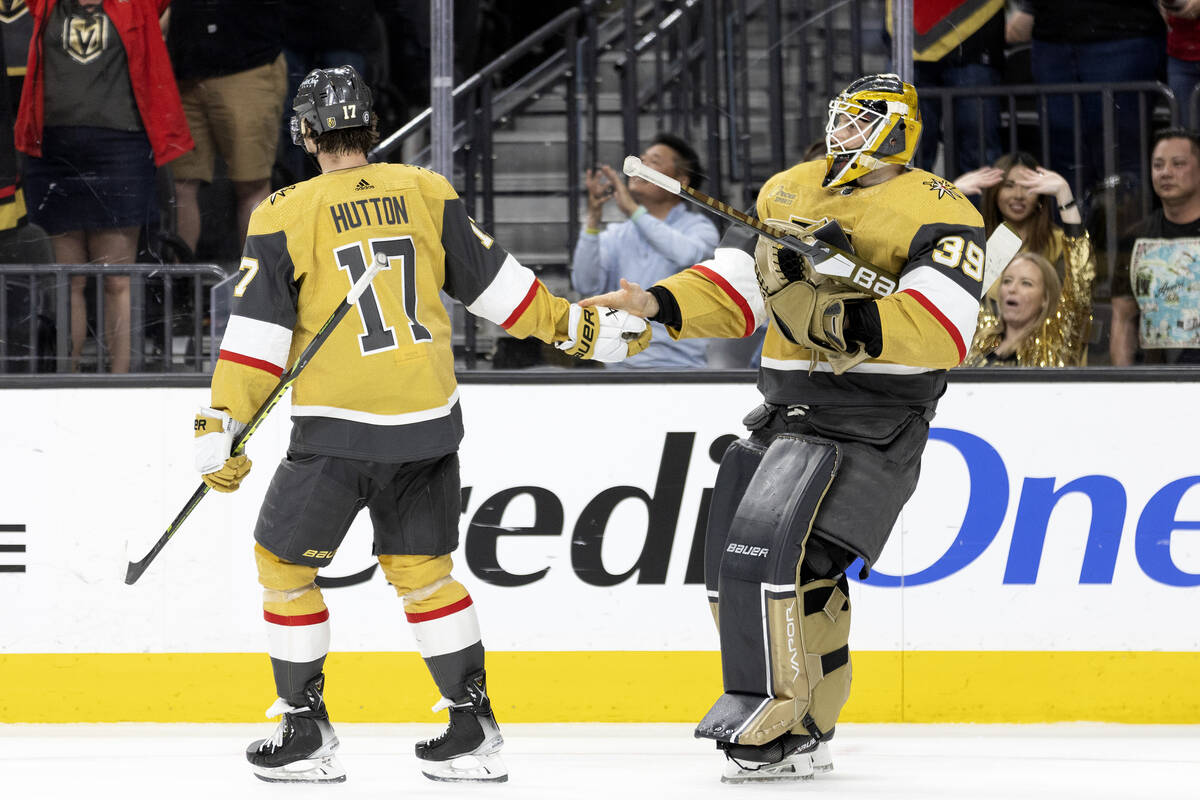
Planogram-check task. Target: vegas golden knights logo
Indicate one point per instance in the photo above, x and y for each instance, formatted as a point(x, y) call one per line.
point(85, 37)
point(11, 10)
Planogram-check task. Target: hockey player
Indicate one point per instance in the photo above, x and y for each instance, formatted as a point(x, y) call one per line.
point(376, 419)
point(849, 383)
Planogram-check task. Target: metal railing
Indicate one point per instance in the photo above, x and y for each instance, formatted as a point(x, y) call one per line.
point(35, 335)
point(1114, 198)
point(702, 69)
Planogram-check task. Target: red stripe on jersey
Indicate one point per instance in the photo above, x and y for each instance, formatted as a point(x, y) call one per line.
point(520, 309)
point(724, 286)
point(8, 191)
point(444, 611)
point(257, 363)
point(300, 619)
point(955, 336)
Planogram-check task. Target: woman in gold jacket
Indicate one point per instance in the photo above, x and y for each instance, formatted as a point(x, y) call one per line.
point(1018, 192)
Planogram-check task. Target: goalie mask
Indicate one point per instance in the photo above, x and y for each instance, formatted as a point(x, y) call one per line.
point(873, 122)
point(330, 100)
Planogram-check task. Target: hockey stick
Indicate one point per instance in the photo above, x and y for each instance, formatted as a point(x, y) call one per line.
point(826, 259)
point(136, 568)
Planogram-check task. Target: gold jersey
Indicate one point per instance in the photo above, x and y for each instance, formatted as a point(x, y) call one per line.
point(382, 386)
point(915, 225)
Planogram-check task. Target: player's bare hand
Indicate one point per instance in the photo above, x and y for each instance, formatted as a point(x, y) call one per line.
point(621, 194)
point(630, 297)
point(975, 181)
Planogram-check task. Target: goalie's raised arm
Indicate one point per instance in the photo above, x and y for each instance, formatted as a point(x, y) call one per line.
point(630, 297)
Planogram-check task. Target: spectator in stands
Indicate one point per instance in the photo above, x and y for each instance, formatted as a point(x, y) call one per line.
point(1095, 41)
point(321, 34)
point(99, 110)
point(1022, 194)
point(17, 24)
point(1027, 328)
point(955, 45)
point(1183, 53)
point(1165, 253)
point(660, 237)
point(228, 57)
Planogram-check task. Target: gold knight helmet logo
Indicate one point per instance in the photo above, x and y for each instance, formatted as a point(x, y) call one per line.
point(85, 37)
point(11, 10)
point(330, 122)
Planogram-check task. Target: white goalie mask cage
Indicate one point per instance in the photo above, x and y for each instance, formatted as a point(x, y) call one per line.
point(873, 123)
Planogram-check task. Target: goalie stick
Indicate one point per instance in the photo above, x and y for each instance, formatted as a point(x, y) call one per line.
point(833, 262)
point(136, 568)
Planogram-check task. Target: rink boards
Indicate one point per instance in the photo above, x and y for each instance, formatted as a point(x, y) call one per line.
point(1045, 569)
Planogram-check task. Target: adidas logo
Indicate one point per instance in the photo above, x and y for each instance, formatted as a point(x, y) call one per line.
point(362, 185)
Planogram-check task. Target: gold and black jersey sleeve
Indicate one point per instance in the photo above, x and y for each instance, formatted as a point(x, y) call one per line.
point(382, 387)
point(917, 226)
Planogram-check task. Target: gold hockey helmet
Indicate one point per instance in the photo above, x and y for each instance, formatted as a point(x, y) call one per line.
point(873, 122)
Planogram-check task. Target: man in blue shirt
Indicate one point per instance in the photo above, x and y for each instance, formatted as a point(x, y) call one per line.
point(660, 237)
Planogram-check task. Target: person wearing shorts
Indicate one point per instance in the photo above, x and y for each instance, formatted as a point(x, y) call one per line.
point(95, 127)
point(233, 79)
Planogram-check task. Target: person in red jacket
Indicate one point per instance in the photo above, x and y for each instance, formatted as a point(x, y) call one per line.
point(1183, 53)
point(99, 112)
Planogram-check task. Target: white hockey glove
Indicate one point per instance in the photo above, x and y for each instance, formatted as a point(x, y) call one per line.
point(215, 432)
point(604, 334)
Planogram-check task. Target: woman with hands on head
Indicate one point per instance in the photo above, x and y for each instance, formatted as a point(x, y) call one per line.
point(1022, 194)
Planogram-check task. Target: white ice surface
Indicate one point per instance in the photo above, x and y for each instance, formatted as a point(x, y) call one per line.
point(896, 762)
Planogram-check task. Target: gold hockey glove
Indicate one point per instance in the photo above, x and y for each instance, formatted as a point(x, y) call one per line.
point(814, 316)
point(604, 334)
point(215, 432)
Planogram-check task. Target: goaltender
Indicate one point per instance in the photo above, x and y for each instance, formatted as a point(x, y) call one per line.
point(850, 382)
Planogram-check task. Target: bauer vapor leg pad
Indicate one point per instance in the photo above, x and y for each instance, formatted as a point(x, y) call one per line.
point(738, 465)
point(766, 666)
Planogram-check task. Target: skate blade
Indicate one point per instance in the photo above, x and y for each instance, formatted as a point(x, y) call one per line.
point(797, 768)
point(466, 769)
point(822, 761)
point(309, 770)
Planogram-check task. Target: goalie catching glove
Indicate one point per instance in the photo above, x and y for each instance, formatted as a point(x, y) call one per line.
point(215, 432)
point(808, 308)
point(604, 334)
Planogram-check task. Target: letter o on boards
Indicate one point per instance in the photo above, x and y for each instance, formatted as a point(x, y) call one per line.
point(986, 506)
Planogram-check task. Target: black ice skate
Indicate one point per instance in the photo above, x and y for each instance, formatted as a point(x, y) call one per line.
point(467, 750)
point(788, 758)
point(302, 748)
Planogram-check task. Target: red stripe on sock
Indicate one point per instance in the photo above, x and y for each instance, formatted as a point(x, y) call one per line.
point(444, 611)
point(299, 619)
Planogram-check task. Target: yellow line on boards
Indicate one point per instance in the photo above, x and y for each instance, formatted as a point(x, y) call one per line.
point(607, 686)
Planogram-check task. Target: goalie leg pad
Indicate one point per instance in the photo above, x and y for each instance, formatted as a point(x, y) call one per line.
point(738, 466)
point(769, 672)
